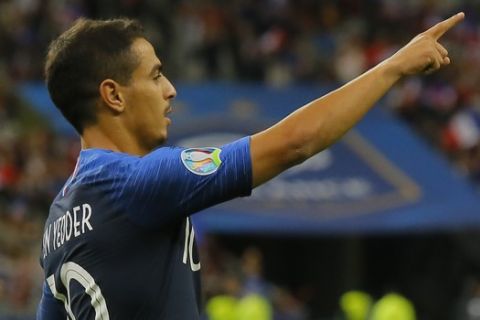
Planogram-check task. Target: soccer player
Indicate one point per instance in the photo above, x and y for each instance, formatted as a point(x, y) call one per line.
point(118, 242)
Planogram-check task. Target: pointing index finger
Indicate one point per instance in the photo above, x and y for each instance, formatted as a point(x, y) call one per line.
point(440, 28)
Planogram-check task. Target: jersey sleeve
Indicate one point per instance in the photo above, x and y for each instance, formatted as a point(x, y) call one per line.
point(172, 183)
point(50, 308)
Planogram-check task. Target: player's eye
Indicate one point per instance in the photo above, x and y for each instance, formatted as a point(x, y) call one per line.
point(158, 76)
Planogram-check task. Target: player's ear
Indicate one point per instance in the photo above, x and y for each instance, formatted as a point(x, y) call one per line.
point(111, 95)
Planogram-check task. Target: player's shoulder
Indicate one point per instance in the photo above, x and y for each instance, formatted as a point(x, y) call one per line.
point(102, 159)
point(101, 163)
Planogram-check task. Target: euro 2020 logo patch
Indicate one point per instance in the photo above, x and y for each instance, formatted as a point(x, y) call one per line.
point(201, 161)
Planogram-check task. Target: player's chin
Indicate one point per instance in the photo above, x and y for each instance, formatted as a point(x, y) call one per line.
point(154, 138)
point(164, 130)
point(162, 137)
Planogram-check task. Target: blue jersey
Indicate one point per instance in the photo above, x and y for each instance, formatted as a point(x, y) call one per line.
point(118, 242)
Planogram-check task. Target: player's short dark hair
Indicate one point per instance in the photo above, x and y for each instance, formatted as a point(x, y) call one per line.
point(82, 57)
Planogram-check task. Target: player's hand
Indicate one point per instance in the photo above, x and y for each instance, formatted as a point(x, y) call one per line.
point(424, 54)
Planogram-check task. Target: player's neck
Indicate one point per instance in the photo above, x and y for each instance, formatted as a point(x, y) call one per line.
point(115, 140)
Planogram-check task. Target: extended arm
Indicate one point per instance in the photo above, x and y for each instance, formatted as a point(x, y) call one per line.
point(321, 122)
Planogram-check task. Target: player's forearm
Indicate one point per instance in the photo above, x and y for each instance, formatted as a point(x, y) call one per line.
point(321, 122)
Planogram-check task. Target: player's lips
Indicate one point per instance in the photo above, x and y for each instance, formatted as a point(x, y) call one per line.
point(167, 112)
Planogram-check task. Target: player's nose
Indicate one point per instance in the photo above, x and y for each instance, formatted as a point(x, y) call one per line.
point(169, 90)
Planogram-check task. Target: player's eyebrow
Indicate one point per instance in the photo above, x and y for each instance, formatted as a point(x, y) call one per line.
point(157, 68)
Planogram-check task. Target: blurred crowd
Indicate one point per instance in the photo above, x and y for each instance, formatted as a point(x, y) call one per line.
point(236, 288)
point(275, 42)
point(33, 165)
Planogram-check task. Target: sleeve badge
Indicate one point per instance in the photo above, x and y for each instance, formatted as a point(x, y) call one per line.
point(201, 161)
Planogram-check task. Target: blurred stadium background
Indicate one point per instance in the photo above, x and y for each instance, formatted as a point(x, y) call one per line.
point(386, 221)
